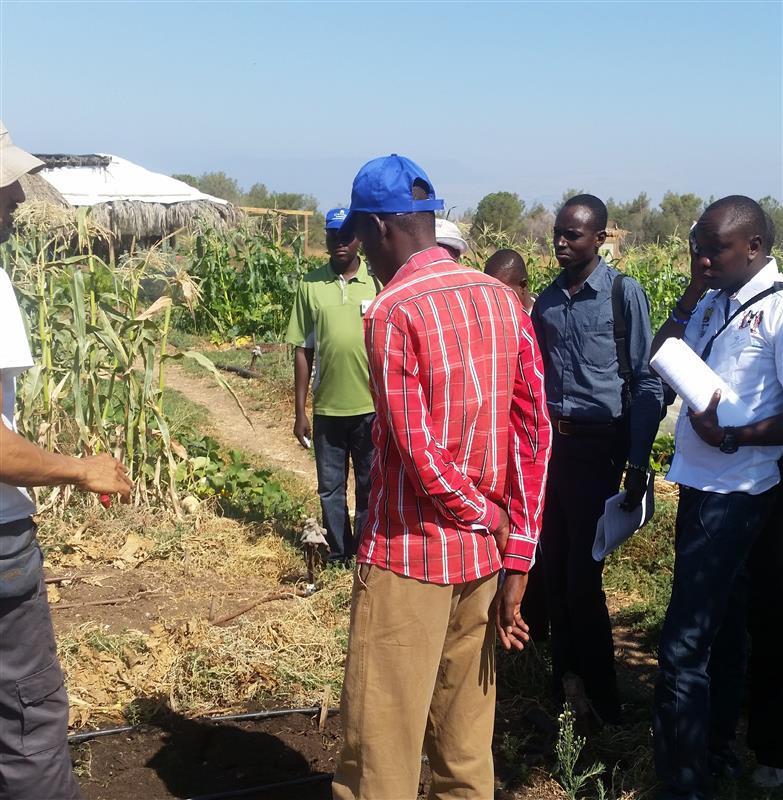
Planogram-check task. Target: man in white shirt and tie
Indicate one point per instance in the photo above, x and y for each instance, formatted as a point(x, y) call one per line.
point(731, 314)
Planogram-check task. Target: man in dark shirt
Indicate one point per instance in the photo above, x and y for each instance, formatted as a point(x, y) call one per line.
point(597, 427)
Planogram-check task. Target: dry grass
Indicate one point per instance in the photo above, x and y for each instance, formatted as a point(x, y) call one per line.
point(288, 650)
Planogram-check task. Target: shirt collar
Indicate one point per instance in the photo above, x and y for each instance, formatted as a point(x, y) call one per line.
point(594, 279)
point(362, 275)
point(420, 260)
point(762, 280)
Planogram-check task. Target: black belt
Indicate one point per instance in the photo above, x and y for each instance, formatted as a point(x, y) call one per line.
point(580, 427)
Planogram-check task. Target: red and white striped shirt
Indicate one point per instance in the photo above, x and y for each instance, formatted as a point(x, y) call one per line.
point(461, 424)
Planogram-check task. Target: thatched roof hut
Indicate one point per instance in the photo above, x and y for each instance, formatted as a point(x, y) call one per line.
point(130, 201)
point(39, 190)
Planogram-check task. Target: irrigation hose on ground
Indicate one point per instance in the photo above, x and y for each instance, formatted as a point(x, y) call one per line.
point(76, 738)
point(267, 787)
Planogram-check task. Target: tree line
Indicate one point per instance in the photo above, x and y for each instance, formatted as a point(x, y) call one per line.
point(644, 222)
point(223, 186)
point(504, 212)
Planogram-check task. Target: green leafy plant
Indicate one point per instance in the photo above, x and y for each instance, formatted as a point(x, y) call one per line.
point(239, 488)
point(100, 354)
point(247, 283)
point(662, 452)
point(568, 748)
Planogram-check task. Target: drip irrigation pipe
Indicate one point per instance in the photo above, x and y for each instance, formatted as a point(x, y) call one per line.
point(267, 787)
point(76, 738)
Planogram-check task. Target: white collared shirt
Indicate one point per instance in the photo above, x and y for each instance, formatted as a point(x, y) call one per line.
point(748, 355)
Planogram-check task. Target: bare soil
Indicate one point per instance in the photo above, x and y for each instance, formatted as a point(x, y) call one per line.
point(270, 435)
point(178, 757)
point(199, 758)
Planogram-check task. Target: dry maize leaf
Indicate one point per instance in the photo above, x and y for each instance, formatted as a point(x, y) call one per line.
point(178, 450)
point(53, 593)
point(159, 305)
point(91, 550)
point(135, 548)
point(130, 657)
point(78, 716)
point(100, 696)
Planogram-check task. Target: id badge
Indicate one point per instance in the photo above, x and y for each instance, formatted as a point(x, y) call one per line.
point(738, 340)
point(365, 306)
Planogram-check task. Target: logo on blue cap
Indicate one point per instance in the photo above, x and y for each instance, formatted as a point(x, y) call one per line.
point(385, 186)
point(335, 218)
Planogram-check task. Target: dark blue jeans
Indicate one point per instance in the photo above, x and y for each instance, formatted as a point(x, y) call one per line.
point(337, 439)
point(702, 651)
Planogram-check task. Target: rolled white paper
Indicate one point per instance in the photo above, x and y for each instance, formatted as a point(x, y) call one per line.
point(695, 382)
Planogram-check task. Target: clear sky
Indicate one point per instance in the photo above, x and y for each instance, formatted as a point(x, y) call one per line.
point(531, 97)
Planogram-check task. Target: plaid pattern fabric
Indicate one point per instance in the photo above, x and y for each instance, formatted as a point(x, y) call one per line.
point(461, 425)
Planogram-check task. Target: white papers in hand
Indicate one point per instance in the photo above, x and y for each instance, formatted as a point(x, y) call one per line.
point(695, 382)
point(616, 525)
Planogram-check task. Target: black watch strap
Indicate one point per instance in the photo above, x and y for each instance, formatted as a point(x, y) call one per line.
point(729, 444)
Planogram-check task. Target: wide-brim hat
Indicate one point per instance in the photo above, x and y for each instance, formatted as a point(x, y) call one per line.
point(14, 162)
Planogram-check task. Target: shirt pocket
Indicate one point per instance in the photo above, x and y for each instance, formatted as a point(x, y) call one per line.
point(752, 362)
point(595, 341)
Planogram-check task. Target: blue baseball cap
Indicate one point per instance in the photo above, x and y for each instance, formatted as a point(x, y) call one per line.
point(335, 218)
point(385, 186)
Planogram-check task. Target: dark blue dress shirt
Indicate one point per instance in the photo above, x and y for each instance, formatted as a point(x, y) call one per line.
point(576, 338)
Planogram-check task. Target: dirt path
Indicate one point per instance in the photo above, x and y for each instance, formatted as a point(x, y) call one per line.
point(272, 441)
point(270, 438)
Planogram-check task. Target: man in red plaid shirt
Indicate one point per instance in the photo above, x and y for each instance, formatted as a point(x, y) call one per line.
point(462, 442)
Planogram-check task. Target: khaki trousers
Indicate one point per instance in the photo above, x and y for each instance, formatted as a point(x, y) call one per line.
point(420, 674)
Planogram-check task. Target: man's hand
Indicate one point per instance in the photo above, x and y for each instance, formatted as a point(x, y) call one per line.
point(512, 629)
point(103, 474)
point(635, 488)
point(698, 285)
point(706, 423)
point(302, 430)
point(502, 531)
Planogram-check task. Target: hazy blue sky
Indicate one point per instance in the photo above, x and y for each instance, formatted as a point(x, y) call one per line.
point(528, 97)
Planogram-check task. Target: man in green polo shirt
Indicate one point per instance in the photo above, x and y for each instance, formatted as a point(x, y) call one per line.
point(326, 327)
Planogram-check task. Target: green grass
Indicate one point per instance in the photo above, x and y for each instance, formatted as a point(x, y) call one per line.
point(642, 570)
point(182, 414)
point(186, 416)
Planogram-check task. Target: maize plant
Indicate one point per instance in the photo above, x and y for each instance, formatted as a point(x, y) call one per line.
point(247, 282)
point(100, 355)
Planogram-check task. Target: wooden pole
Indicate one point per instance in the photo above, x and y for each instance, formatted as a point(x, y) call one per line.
point(305, 235)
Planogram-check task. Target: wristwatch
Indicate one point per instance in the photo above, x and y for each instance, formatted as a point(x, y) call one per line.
point(729, 444)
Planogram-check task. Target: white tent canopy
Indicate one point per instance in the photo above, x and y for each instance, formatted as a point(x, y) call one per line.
point(120, 180)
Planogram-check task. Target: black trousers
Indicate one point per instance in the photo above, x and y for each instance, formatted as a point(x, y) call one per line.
point(765, 732)
point(583, 472)
point(34, 757)
point(534, 607)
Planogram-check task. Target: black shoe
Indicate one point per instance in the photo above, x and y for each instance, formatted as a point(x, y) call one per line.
point(725, 764)
point(610, 712)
